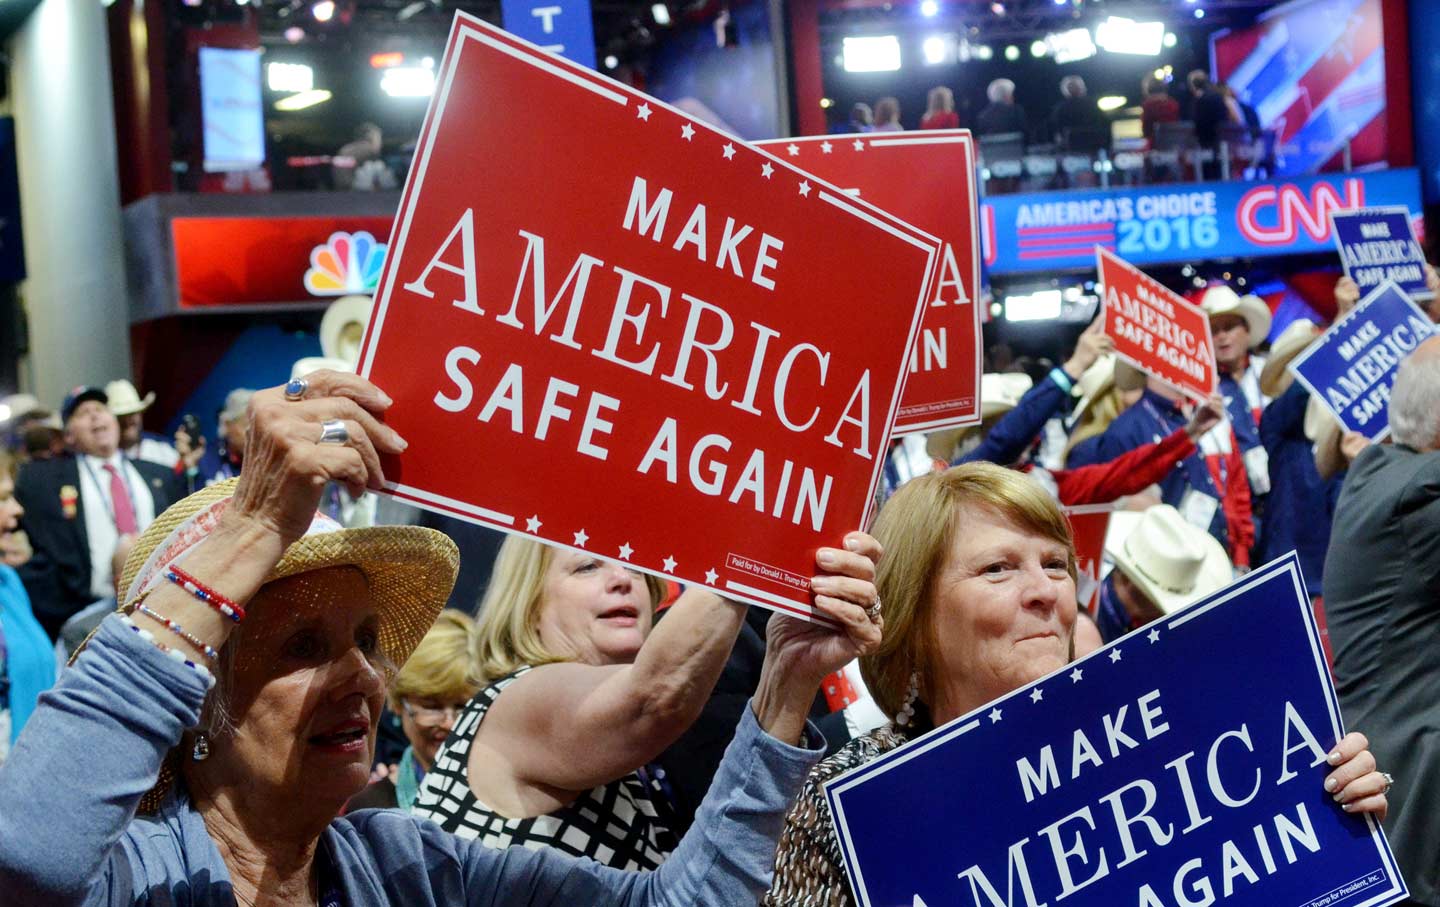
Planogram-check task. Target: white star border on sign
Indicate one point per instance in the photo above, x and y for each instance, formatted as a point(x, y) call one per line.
point(859, 145)
point(767, 171)
point(995, 716)
point(581, 538)
point(643, 112)
point(825, 147)
point(687, 132)
point(626, 551)
point(1153, 635)
point(728, 150)
point(1114, 655)
point(805, 188)
point(533, 524)
point(711, 576)
point(1076, 675)
point(792, 149)
point(1037, 694)
point(669, 564)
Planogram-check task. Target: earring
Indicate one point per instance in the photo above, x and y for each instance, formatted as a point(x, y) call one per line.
point(907, 709)
point(201, 752)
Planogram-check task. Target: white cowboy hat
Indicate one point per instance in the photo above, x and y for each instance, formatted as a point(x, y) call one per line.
point(342, 328)
point(1319, 420)
point(304, 367)
point(125, 399)
point(17, 405)
point(1173, 562)
point(1221, 300)
point(1000, 392)
point(1292, 342)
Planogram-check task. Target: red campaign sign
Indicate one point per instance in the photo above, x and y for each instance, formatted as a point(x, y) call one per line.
point(1155, 329)
point(1088, 525)
point(611, 327)
point(928, 179)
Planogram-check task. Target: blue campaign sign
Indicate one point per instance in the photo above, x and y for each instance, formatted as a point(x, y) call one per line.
point(1180, 222)
point(560, 26)
point(1180, 765)
point(1351, 367)
point(1378, 244)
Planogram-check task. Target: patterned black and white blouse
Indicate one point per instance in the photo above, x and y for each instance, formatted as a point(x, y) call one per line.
point(623, 824)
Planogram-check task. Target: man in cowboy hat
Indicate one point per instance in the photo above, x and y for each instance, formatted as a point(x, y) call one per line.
point(1161, 563)
point(1382, 574)
point(1239, 324)
point(129, 409)
point(78, 507)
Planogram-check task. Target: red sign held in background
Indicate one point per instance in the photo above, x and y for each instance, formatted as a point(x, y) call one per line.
point(1088, 525)
point(929, 180)
point(610, 327)
point(1154, 329)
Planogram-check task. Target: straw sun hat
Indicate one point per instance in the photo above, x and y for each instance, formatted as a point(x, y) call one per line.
point(409, 569)
point(1173, 562)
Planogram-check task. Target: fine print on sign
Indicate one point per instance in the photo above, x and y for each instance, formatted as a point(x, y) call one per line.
point(1351, 367)
point(613, 328)
point(1154, 772)
point(1378, 244)
point(1155, 329)
point(928, 179)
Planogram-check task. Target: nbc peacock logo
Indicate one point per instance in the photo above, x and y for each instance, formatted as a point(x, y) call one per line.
point(346, 263)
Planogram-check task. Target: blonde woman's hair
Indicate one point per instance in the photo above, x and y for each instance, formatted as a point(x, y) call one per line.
point(439, 668)
point(917, 528)
point(940, 99)
point(507, 634)
point(1097, 417)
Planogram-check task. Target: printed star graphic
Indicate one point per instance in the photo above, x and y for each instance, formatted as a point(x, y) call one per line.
point(581, 538)
point(533, 524)
point(669, 563)
point(805, 188)
point(859, 145)
point(687, 132)
point(710, 577)
point(1075, 675)
point(792, 149)
point(729, 150)
point(1037, 694)
point(643, 112)
point(767, 170)
point(626, 551)
point(994, 715)
point(1154, 636)
point(1114, 655)
point(825, 147)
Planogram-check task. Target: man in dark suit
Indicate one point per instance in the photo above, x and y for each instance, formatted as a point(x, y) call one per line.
point(1382, 604)
point(78, 507)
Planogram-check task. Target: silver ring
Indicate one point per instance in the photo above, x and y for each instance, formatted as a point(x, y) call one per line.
point(333, 431)
point(1389, 782)
point(873, 612)
point(295, 389)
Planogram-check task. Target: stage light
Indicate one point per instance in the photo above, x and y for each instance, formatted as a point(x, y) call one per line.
point(294, 34)
point(1042, 305)
point(939, 49)
point(997, 8)
point(289, 77)
point(386, 60)
point(929, 8)
point(982, 52)
point(1038, 48)
point(612, 61)
point(1012, 53)
point(874, 53)
point(408, 82)
point(323, 10)
point(827, 103)
point(1120, 35)
point(303, 100)
point(1070, 46)
point(1170, 39)
point(411, 9)
point(1199, 14)
point(1110, 102)
point(660, 13)
point(428, 62)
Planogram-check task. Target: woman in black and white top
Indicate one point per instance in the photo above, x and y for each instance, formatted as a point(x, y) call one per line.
point(578, 696)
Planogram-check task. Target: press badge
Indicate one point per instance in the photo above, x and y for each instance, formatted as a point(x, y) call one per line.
point(1199, 508)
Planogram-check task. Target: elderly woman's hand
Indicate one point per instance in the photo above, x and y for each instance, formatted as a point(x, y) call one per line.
point(799, 654)
point(286, 464)
point(1355, 784)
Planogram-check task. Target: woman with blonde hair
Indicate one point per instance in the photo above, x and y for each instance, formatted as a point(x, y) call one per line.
point(427, 694)
point(578, 696)
point(978, 585)
point(940, 110)
point(887, 115)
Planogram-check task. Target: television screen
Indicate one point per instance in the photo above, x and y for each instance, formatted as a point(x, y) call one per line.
point(233, 120)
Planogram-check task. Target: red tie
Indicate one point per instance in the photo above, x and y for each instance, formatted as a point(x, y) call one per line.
point(120, 501)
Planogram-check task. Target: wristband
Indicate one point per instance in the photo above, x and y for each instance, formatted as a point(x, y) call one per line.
point(209, 596)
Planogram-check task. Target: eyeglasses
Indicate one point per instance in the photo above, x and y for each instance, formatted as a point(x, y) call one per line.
point(430, 715)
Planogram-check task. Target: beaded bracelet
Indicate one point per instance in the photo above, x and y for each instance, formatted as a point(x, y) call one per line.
point(179, 631)
point(173, 654)
point(207, 595)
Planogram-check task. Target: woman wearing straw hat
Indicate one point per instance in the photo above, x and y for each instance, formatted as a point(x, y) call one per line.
point(242, 808)
point(978, 586)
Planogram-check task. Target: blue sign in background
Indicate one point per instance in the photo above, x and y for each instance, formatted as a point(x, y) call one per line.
point(1180, 222)
point(1351, 368)
point(559, 26)
point(1358, 234)
point(1223, 683)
